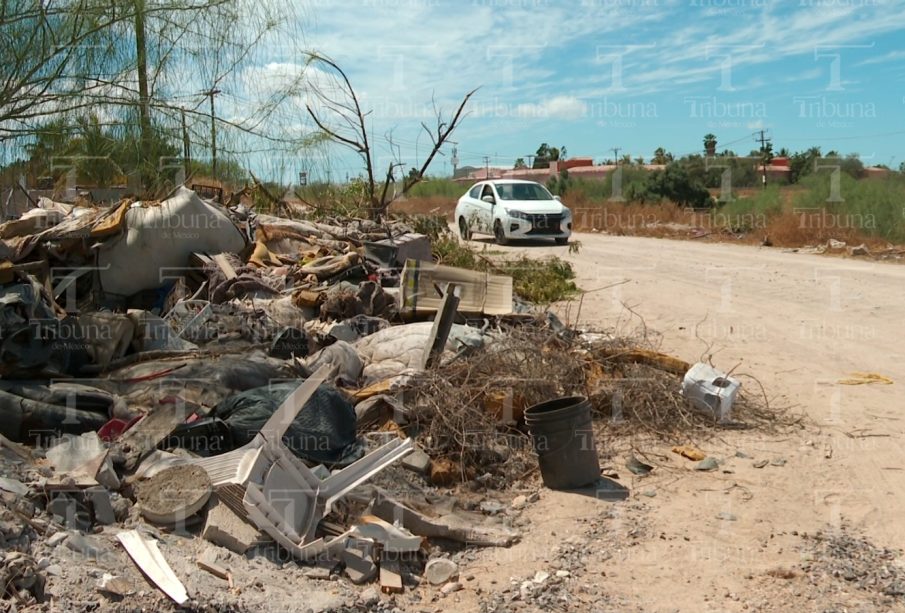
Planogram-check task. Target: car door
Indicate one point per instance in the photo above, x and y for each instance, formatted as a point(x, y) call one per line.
point(470, 202)
point(485, 209)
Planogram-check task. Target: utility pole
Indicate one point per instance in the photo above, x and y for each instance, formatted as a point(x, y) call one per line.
point(615, 151)
point(144, 97)
point(211, 93)
point(763, 157)
point(486, 166)
point(186, 146)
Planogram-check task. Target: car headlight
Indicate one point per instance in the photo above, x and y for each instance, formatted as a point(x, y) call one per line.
point(566, 213)
point(517, 214)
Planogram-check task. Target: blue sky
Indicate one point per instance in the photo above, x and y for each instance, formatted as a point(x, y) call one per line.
point(634, 74)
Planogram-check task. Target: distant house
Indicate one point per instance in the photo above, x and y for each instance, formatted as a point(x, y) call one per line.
point(582, 167)
point(876, 172)
point(463, 172)
point(778, 170)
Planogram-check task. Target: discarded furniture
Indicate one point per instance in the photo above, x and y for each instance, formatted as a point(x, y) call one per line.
point(265, 482)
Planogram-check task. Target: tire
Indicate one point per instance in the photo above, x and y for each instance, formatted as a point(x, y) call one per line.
point(464, 232)
point(561, 240)
point(498, 235)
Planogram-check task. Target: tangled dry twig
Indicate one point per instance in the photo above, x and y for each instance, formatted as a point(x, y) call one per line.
point(470, 410)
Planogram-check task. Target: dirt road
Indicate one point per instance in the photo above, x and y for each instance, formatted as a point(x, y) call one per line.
point(690, 541)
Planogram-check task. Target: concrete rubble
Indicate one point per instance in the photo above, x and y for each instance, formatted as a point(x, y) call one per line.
point(179, 368)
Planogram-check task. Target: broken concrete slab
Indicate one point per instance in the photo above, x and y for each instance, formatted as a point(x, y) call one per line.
point(369, 597)
point(106, 475)
point(104, 512)
point(68, 510)
point(359, 563)
point(115, 586)
point(56, 538)
point(321, 573)
point(417, 461)
point(13, 486)
point(456, 526)
point(88, 546)
point(226, 529)
point(71, 451)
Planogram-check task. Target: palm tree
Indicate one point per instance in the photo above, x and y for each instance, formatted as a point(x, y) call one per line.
point(710, 144)
point(661, 156)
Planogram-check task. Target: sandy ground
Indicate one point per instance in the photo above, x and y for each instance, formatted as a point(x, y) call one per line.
point(729, 541)
point(799, 323)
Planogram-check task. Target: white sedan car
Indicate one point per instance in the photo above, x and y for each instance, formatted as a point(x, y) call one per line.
point(508, 209)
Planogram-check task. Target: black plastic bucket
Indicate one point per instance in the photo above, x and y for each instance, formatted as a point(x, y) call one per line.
point(564, 442)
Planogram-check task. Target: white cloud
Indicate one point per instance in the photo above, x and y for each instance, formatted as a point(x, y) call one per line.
point(558, 107)
point(892, 56)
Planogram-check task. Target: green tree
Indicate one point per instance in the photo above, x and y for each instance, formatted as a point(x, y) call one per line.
point(546, 154)
point(49, 51)
point(677, 185)
point(519, 164)
point(559, 184)
point(801, 163)
point(852, 166)
point(710, 144)
point(661, 156)
point(60, 57)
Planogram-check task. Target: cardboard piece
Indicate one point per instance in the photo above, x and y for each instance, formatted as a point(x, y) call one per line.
point(422, 284)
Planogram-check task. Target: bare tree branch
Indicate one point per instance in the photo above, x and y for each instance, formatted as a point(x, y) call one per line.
point(351, 115)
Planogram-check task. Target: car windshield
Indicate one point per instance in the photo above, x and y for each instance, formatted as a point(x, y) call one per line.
point(522, 191)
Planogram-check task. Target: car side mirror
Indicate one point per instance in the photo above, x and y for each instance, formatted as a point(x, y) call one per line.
point(557, 198)
point(488, 199)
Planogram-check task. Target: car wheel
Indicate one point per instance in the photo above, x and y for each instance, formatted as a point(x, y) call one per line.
point(464, 232)
point(498, 234)
point(561, 241)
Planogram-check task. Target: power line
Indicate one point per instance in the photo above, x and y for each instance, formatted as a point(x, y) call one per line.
point(211, 93)
point(763, 155)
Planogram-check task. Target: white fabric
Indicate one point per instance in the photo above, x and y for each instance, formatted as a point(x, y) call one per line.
point(161, 236)
point(398, 349)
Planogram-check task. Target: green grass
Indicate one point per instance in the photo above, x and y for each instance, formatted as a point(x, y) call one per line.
point(538, 280)
point(443, 188)
point(749, 213)
point(876, 207)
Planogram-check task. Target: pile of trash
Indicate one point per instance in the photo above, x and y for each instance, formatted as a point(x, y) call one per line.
point(194, 368)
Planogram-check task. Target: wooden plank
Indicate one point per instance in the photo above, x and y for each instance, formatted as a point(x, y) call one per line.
point(211, 566)
point(443, 322)
point(145, 435)
point(390, 573)
point(228, 271)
